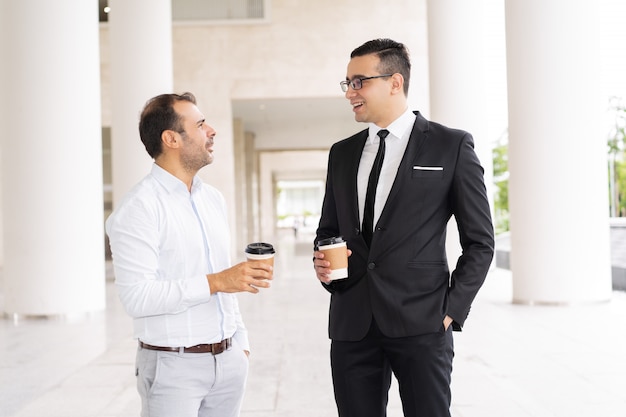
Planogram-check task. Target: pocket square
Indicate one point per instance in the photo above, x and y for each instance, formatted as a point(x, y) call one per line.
point(421, 168)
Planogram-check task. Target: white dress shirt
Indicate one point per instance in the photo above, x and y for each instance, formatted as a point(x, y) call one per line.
point(164, 241)
point(395, 145)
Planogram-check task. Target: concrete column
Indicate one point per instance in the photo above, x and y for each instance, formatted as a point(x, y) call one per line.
point(141, 67)
point(557, 153)
point(460, 63)
point(51, 158)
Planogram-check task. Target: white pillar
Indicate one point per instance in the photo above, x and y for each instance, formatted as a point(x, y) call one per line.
point(52, 158)
point(141, 67)
point(4, 106)
point(460, 63)
point(557, 153)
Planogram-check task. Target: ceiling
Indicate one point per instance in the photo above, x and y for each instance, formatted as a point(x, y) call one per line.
point(296, 123)
point(267, 114)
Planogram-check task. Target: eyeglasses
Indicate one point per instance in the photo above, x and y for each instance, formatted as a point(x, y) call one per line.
point(357, 83)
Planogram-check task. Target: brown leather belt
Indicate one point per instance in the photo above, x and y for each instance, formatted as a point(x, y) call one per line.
point(214, 348)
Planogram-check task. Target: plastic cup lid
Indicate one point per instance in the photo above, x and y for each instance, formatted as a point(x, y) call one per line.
point(260, 248)
point(330, 241)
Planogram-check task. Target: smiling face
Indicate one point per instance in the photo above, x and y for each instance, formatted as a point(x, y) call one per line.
point(197, 138)
point(372, 103)
point(379, 100)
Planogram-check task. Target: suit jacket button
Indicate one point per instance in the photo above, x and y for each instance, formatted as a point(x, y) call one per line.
point(357, 231)
point(371, 265)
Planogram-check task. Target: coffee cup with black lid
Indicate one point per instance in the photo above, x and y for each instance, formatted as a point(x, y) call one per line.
point(260, 251)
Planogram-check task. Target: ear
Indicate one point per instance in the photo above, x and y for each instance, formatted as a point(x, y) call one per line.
point(397, 83)
point(170, 139)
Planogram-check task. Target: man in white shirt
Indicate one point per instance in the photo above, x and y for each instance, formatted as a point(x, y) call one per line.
point(171, 255)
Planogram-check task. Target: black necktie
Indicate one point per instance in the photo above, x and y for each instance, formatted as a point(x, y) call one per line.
point(370, 196)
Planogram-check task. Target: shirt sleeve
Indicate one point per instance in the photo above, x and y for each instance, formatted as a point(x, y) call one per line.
point(134, 238)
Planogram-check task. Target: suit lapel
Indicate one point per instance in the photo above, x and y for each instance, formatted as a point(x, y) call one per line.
point(418, 135)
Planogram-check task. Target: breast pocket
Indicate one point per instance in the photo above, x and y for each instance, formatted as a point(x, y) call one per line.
point(427, 172)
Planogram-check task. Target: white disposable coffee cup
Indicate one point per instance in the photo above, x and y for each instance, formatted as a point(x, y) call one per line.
point(260, 251)
point(335, 251)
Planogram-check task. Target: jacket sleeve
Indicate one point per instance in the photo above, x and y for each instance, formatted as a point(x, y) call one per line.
point(329, 224)
point(470, 207)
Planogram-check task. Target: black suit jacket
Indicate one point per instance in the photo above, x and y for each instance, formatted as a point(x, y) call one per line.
point(403, 280)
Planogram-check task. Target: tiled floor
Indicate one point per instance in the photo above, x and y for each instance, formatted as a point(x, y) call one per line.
point(511, 360)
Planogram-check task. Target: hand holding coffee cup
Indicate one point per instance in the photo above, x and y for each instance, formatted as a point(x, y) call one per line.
point(335, 251)
point(260, 251)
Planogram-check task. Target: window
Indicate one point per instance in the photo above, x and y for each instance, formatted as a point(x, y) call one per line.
point(209, 10)
point(217, 9)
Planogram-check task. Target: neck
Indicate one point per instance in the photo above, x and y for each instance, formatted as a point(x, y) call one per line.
point(177, 170)
point(392, 115)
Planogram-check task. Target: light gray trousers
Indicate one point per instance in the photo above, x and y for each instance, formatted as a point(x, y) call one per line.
point(191, 384)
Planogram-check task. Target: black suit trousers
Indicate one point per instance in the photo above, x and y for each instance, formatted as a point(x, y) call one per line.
point(422, 364)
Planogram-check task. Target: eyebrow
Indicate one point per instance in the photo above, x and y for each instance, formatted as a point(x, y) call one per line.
point(356, 76)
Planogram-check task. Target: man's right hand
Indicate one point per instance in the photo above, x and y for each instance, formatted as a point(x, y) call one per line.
point(246, 276)
point(321, 266)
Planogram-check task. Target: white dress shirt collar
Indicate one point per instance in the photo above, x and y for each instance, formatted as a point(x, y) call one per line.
point(172, 183)
point(397, 128)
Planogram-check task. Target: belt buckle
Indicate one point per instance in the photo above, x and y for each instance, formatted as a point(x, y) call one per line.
point(217, 348)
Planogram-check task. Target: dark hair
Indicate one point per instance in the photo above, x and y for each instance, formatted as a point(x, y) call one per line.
point(394, 58)
point(159, 115)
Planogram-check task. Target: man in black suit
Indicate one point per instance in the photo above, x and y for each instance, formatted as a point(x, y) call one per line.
point(396, 310)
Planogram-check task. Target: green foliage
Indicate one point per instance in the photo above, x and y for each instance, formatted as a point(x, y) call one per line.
point(617, 159)
point(620, 172)
point(501, 181)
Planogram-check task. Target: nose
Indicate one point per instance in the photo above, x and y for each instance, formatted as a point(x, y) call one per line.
point(210, 132)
